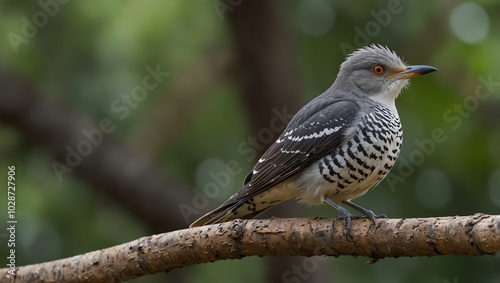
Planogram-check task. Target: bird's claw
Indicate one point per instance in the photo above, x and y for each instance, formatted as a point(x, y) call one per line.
point(348, 218)
point(347, 224)
point(372, 216)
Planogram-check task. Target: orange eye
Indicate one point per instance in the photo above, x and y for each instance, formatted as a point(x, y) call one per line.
point(378, 70)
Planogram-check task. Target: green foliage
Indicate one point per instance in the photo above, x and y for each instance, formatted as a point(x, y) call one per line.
point(91, 52)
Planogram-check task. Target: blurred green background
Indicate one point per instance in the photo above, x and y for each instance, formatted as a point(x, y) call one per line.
point(84, 56)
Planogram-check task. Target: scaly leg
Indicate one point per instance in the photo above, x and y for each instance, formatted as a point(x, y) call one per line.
point(345, 215)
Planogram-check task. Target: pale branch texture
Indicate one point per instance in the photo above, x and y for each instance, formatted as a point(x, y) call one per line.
point(478, 234)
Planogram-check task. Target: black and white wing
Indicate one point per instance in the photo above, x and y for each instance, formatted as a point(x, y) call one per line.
point(315, 131)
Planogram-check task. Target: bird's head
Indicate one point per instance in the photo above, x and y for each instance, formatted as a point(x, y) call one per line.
point(378, 73)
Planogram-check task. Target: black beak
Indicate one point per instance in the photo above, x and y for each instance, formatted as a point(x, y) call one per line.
point(414, 71)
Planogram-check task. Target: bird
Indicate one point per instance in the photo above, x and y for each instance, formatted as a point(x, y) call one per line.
point(336, 148)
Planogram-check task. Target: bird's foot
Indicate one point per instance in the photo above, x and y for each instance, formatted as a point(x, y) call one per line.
point(366, 212)
point(372, 216)
point(346, 217)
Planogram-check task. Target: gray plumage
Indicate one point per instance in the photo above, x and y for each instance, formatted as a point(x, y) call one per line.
point(337, 147)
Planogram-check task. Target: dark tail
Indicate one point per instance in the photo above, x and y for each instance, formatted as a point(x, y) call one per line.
point(247, 205)
point(227, 212)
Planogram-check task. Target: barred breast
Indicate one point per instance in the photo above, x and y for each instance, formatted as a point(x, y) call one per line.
point(359, 164)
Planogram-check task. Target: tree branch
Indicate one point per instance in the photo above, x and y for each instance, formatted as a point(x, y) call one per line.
point(478, 234)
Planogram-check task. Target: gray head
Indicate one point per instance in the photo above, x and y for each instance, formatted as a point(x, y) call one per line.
point(377, 73)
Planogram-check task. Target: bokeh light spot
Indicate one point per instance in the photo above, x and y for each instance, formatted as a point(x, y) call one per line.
point(469, 22)
point(315, 17)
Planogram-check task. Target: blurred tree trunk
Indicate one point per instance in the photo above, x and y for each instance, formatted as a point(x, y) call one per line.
point(269, 79)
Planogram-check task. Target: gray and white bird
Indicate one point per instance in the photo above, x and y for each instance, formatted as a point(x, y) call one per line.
point(337, 147)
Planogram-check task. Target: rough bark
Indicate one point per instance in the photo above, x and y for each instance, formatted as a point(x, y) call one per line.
point(478, 234)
